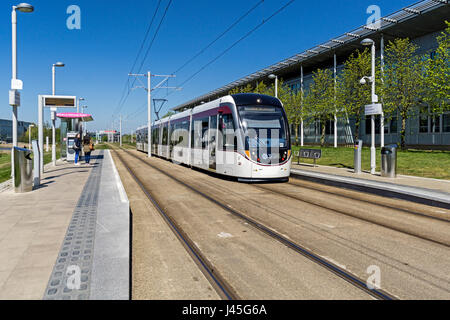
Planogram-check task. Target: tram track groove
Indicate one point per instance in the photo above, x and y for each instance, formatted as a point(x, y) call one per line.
point(221, 286)
point(353, 215)
point(288, 217)
point(340, 272)
point(356, 198)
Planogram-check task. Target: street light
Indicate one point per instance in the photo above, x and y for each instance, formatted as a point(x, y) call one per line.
point(29, 135)
point(58, 64)
point(78, 103)
point(53, 110)
point(84, 123)
point(272, 76)
point(369, 42)
point(15, 84)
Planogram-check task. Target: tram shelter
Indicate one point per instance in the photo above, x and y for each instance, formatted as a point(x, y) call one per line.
point(72, 123)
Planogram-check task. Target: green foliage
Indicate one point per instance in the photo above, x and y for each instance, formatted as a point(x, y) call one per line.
point(168, 114)
point(247, 89)
point(319, 104)
point(403, 82)
point(437, 78)
point(350, 94)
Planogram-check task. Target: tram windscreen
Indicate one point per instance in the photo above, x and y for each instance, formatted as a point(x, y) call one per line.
point(265, 126)
point(266, 133)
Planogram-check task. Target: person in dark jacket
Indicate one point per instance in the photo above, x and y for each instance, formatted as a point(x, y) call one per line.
point(77, 148)
point(88, 146)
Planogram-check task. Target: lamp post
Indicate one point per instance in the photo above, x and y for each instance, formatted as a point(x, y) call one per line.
point(53, 110)
point(272, 76)
point(29, 135)
point(84, 123)
point(369, 42)
point(16, 84)
point(78, 103)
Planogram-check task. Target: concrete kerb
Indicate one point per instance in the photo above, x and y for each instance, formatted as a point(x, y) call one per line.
point(390, 190)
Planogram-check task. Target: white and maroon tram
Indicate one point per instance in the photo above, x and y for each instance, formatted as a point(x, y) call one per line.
point(242, 135)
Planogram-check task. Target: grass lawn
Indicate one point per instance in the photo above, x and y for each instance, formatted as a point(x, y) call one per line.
point(5, 163)
point(101, 146)
point(430, 164)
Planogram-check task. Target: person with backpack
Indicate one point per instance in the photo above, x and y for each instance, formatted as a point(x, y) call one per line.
point(77, 148)
point(88, 147)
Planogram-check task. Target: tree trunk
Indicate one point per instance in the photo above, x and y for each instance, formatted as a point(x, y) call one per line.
point(403, 134)
point(296, 135)
point(322, 138)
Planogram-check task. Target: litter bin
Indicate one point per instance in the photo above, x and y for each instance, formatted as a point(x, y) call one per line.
point(389, 161)
point(23, 170)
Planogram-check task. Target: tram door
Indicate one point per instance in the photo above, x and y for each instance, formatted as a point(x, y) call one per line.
point(212, 141)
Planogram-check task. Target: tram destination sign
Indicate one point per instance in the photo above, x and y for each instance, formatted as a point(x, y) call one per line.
point(60, 101)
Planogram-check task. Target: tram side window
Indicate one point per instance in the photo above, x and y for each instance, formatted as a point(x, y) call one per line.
point(204, 136)
point(227, 130)
point(197, 133)
point(155, 132)
point(183, 134)
point(164, 135)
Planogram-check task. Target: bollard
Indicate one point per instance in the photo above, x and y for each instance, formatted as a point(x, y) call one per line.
point(357, 156)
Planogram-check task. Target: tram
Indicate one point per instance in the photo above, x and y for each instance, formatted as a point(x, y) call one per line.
point(242, 135)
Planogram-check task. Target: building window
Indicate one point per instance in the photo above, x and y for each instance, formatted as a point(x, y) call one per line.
point(429, 123)
point(423, 120)
point(435, 124)
point(393, 125)
point(329, 127)
point(446, 122)
point(369, 125)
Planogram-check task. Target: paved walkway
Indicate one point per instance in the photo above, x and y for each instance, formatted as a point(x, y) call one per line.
point(414, 187)
point(36, 228)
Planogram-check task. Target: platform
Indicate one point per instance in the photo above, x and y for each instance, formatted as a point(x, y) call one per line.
point(68, 239)
point(427, 191)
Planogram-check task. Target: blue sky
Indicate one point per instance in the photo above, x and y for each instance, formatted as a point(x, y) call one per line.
point(100, 55)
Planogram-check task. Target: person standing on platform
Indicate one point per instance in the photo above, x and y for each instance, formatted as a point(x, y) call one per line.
point(77, 148)
point(88, 146)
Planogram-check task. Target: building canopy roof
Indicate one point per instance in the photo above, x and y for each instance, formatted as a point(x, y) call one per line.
point(416, 20)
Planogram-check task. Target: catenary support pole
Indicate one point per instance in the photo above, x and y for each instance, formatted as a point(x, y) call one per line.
point(373, 163)
point(302, 93)
point(149, 114)
point(382, 79)
point(335, 116)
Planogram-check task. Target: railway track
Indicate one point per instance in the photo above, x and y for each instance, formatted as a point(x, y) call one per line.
point(398, 228)
point(298, 248)
point(217, 281)
point(353, 195)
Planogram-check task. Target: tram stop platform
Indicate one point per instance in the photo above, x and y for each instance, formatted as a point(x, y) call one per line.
point(433, 192)
point(69, 239)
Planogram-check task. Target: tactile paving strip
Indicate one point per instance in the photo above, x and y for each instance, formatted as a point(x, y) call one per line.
point(71, 276)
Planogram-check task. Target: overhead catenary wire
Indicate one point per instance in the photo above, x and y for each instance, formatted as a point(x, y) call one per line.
point(146, 53)
point(126, 90)
point(264, 21)
point(238, 41)
point(219, 36)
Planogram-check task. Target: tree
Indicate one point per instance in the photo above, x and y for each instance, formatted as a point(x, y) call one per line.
point(350, 94)
point(403, 85)
point(295, 111)
point(247, 89)
point(168, 114)
point(437, 76)
point(320, 102)
point(261, 88)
